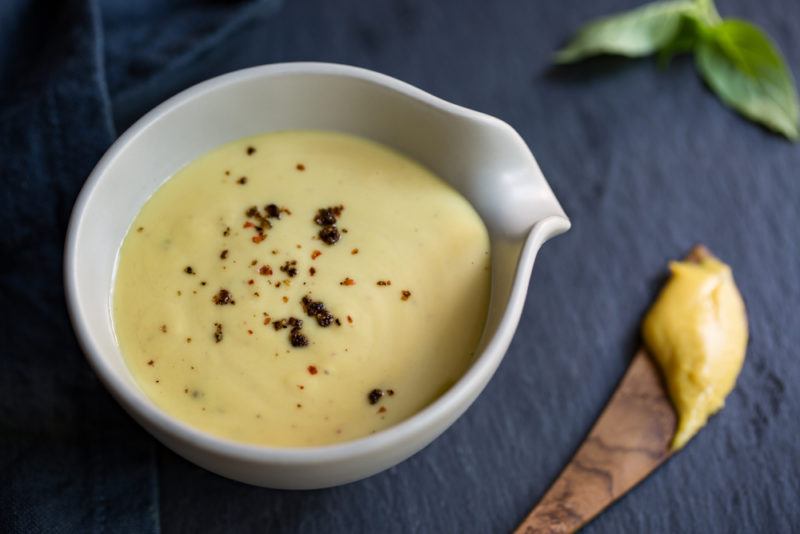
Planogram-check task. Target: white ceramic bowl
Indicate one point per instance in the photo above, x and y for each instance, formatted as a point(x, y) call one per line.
point(482, 157)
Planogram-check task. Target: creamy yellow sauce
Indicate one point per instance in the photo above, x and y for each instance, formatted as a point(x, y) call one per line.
point(697, 332)
point(407, 282)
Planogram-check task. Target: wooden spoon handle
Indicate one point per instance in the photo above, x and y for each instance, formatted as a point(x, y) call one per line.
point(630, 439)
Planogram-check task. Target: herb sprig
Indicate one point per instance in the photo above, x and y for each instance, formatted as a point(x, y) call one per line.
point(737, 60)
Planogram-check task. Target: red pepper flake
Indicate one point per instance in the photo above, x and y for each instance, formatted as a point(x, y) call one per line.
point(250, 332)
point(405, 294)
point(316, 254)
point(285, 298)
point(258, 238)
point(354, 251)
point(265, 270)
point(242, 180)
point(151, 363)
point(251, 282)
point(312, 271)
point(382, 409)
point(384, 282)
point(262, 220)
point(312, 369)
point(267, 320)
point(347, 282)
point(349, 319)
point(300, 167)
point(248, 224)
point(251, 150)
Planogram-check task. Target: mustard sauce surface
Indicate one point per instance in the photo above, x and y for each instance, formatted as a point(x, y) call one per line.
point(385, 264)
point(697, 332)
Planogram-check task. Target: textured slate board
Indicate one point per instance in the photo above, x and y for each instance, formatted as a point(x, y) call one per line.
point(646, 163)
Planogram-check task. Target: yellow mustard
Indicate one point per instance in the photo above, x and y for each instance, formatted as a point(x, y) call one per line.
point(200, 288)
point(697, 332)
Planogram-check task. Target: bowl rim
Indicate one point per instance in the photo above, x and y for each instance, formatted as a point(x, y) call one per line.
point(433, 417)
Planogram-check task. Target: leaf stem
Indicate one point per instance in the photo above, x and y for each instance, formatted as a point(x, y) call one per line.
point(708, 12)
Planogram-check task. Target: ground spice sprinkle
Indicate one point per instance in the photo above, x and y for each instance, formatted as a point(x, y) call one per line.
point(290, 268)
point(374, 396)
point(223, 297)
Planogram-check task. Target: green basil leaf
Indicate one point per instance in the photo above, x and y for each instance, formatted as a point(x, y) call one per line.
point(707, 12)
point(747, 71)
point(684, 40)
point(639, 32)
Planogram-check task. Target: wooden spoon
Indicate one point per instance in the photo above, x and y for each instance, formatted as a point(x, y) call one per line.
point(630, 440)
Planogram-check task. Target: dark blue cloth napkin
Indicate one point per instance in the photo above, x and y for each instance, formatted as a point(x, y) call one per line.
point(645, 161)
point(70, 71)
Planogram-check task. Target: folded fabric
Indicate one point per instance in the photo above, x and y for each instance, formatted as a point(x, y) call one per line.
point(71, 72)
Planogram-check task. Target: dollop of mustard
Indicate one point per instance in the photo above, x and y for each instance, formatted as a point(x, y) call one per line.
point(697, 332)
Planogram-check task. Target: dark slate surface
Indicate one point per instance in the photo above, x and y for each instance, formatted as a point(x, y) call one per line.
point(646, 162)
